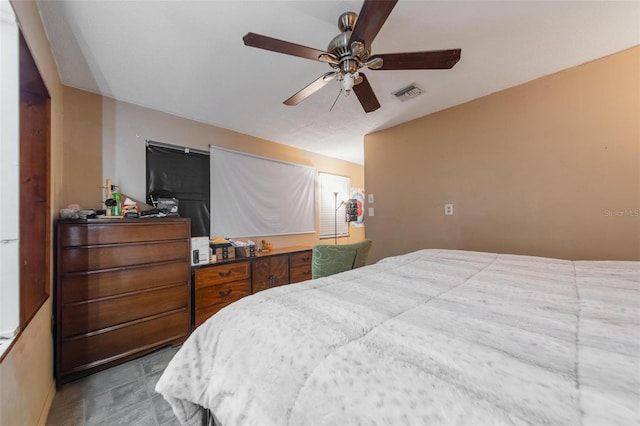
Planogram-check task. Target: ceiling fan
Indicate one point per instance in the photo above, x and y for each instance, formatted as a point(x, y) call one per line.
point(350, 51)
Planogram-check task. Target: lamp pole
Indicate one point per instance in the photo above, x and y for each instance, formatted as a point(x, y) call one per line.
point(335, 218)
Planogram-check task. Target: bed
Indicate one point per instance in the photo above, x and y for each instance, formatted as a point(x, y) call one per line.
point(433, 337)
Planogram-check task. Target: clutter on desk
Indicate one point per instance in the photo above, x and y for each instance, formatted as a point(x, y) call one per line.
point(119, 205)
point(169, 205)
point(200, 251)
point(244, 248)
point(73, 211)
point(110, 202)
point(70, 212)
point(129, 208)
point(265, 246)
point(222, 248)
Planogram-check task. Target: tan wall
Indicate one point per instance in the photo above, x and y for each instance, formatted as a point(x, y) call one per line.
point(26, 373)
point(82, 148)
point(122, 128)
point(548, 168)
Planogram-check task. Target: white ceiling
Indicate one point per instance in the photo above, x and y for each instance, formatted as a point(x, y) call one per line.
point(187, 58)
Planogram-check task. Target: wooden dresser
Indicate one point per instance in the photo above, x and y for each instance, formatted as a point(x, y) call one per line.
point(122, 290)
point(219, 284)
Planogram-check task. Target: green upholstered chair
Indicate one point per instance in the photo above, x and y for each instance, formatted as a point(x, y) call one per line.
point(363, 248)
point(330, 259)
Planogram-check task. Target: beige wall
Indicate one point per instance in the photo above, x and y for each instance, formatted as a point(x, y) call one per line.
point(26, 373)
point(548, 168)
point(106, 138)
point(82, 148)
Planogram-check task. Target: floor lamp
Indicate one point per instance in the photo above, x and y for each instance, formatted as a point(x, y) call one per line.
point(335, 217)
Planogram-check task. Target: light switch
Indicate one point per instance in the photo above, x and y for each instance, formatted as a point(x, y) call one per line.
point(370, 198)
point(370, 211)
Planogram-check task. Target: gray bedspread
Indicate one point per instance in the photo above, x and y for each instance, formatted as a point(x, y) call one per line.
point(434, 337)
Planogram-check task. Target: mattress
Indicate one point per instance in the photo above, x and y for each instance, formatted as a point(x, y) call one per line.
point(434, 337)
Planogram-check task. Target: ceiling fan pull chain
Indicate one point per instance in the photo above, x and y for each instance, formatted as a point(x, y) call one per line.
point(334, 102)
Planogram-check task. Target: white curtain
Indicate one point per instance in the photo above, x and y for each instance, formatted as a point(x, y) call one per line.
point(256, 196)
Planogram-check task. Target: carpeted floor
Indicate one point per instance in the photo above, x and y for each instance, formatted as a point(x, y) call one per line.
point(122, 395)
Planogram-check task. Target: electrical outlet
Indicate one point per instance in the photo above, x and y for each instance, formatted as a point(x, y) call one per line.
point(370, 198)
point(448, 209)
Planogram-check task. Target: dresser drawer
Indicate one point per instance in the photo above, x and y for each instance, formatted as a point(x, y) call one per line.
point(115, 232)
point(113, 256)
point(210, 300)
point(81, 353)
point(302, 258)
point(84, 317)
point(219, 274)
point(300, 273)
point(270, 272)
point(80, 286)
point(300, 266)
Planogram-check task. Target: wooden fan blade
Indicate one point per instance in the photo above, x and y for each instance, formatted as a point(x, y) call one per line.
point(372, 16)
point(309, 90)
point(365, 95)
point(431, 60)
point(280, 46)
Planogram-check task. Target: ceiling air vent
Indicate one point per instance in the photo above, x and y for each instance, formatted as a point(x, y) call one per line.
point(408, 92)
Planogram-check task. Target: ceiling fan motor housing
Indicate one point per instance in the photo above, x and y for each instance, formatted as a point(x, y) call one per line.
point(350, 58)
point(347, 21)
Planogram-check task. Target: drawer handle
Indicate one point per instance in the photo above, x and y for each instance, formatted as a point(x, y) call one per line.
point(306, 272)
point(224, 274)
point(225, 293)
point(306, 259)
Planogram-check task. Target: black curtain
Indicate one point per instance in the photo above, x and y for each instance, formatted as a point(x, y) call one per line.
point(174, 173)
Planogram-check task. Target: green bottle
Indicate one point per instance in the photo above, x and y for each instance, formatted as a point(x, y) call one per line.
point(117, 209)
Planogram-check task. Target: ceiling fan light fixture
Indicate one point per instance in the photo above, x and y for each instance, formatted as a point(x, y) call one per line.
point(347, 82)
